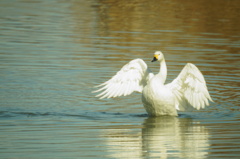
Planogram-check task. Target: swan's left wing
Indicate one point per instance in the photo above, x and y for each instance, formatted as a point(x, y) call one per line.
point(190, 89)
point(132, 77)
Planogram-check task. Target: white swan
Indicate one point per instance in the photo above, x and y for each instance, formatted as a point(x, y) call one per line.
point(188, 90)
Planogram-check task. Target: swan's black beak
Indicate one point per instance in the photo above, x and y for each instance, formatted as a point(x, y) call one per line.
point(154, 59)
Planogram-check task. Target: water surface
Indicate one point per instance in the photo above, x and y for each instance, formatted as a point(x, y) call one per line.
point(54, 52)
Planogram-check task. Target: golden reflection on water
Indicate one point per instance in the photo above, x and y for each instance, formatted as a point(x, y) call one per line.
point(159, 24)
point(160, 137)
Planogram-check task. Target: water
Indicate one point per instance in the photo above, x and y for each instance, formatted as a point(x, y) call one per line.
point(54, 52)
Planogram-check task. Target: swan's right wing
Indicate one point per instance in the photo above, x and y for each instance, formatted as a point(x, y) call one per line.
point(132, 77)
point(190, 89)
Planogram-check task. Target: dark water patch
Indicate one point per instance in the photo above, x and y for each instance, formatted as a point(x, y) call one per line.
point(8, 114)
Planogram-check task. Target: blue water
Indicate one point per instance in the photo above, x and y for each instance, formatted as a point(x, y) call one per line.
point(53, 53)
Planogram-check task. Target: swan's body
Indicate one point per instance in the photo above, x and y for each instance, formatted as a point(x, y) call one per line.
point(188, 90)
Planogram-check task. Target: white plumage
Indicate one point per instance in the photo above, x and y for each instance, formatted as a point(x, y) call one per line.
point(187, 91)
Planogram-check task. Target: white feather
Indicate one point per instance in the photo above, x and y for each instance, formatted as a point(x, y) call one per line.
point(193, 87)
point(132, 77)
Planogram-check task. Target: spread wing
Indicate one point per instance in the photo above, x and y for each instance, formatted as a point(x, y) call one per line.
point(132, 77)
point(190, 89)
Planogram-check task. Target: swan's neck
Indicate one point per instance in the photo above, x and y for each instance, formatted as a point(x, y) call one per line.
point(163, 71)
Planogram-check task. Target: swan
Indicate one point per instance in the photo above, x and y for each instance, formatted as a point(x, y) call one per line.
point(185, 92)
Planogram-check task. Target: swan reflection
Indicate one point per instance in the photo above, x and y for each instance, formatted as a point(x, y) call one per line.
point(163, 137)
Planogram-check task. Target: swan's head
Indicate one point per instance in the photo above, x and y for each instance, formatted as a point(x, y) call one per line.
point(158, 56)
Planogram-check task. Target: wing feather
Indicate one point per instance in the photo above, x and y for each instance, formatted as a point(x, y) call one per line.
point(191, 85)
point(132, 77)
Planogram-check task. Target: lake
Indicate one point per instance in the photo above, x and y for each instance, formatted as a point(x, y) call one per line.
point(54, 52)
